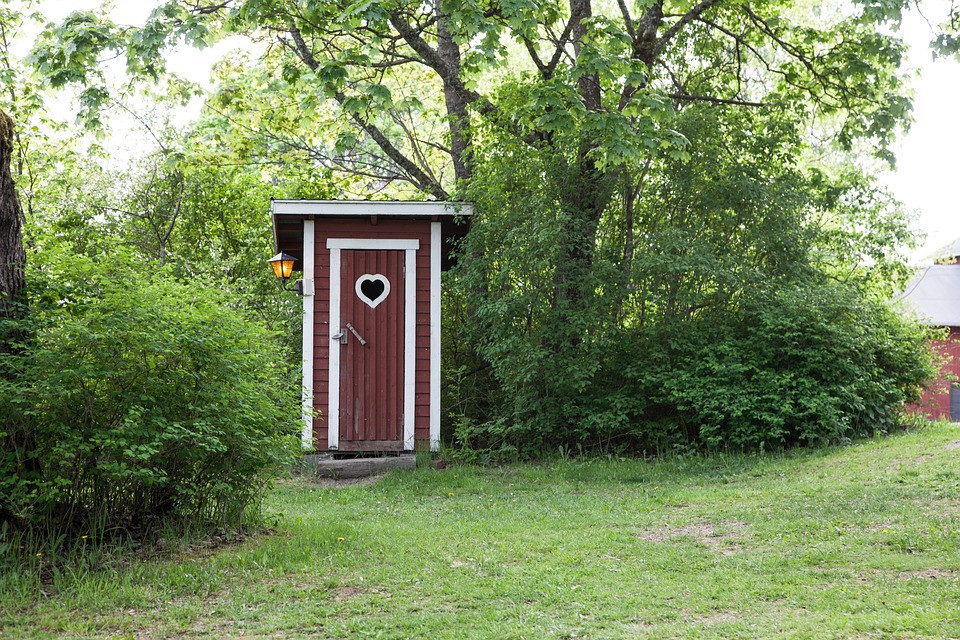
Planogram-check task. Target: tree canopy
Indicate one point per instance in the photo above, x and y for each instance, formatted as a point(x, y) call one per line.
point(405, 84)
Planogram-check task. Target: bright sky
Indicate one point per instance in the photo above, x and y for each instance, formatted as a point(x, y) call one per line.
point(928, 170)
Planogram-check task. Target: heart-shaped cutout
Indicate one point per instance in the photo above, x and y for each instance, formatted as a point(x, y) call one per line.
point(372, 289)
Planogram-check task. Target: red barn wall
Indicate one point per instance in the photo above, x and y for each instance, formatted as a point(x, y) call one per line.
point(364, 228)
point(936, 400)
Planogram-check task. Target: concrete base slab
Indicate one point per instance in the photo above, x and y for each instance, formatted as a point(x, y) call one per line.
point(327, 467)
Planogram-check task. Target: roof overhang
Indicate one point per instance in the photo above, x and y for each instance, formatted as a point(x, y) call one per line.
point(287, 217)
point(353, 208)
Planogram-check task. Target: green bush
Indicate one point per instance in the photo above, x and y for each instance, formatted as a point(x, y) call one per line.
point(797, 364)
point(738, 303)
point(801, 364)
point(138, 398)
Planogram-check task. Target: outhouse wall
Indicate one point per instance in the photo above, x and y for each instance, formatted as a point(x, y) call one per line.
point(325, 228)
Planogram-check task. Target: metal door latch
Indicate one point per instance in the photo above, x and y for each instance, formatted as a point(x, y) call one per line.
point(342, 337)
point(356, 335)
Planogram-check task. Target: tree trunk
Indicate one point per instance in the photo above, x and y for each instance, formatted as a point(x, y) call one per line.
point(584, 198)
point(16, 442)
point(584, 194)
point(456, 103)
point(581, 193)
point(13, 258)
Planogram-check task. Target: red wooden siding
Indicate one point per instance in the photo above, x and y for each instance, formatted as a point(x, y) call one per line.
point(936, 400)
point(384, 229)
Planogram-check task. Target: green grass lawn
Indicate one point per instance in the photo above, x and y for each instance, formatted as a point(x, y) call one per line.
point(854, 542)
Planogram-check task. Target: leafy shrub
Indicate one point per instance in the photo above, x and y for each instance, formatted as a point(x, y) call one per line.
point(138, 398)
point(799, 364)
point(802, 364)
point(738, 302)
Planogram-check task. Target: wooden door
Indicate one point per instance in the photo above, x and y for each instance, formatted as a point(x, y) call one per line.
point(371, 351)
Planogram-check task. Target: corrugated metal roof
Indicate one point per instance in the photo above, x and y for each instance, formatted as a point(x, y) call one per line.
point(935, 295)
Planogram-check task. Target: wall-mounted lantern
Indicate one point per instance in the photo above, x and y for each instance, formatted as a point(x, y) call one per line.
point(282, 264)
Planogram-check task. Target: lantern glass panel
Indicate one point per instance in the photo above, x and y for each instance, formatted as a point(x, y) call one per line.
point(282, 265)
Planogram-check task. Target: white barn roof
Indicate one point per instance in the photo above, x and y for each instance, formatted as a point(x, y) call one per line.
point(935, 295)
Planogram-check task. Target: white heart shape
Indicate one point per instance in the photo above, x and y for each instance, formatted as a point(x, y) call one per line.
point(372, 277)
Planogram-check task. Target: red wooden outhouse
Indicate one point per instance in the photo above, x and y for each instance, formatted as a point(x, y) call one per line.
point(371, 318)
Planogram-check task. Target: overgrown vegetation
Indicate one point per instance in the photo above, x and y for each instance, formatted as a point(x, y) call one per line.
point(138, 399)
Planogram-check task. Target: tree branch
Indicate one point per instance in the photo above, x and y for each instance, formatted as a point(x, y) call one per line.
point(417, 175)
point(669, 34)
point(686, 97)
point(561, 44)
point(532, 50)
point(627, 20)
point(448, 75)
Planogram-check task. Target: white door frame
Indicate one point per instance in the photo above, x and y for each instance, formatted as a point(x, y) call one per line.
point(309, 255)
point(410, 248)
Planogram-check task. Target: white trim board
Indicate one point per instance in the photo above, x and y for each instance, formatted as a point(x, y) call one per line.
point(309, 255)
point(385, 208)
point(373, 243)
point(409, 247)
point(409, 348)
point(333, 358)
point(435, 252)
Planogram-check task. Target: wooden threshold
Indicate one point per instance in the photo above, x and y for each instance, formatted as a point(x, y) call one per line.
point(371, 445)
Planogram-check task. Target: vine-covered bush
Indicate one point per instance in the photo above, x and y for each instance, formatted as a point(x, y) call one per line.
point(138, 397)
